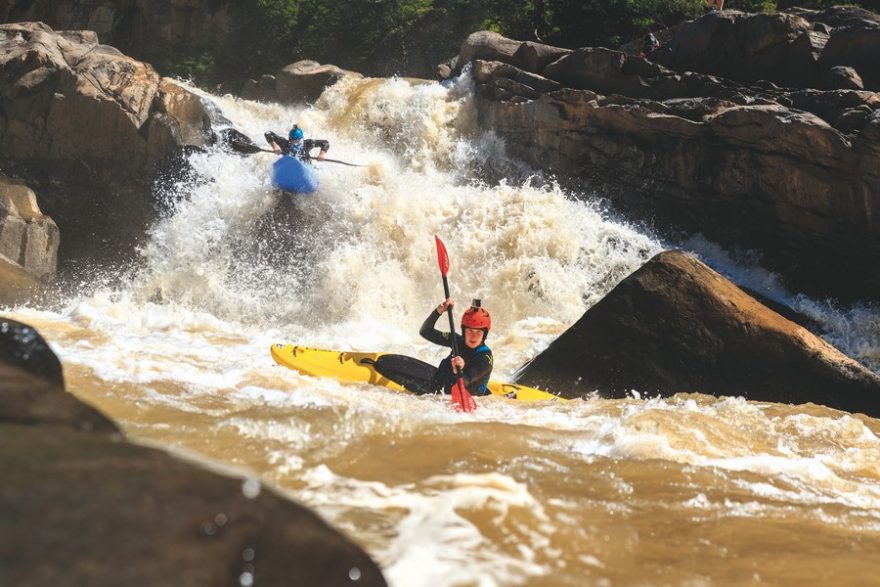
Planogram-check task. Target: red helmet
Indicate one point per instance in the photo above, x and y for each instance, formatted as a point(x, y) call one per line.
point(477, 318)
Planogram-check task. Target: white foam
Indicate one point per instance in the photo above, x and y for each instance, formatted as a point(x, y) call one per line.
point(434, 544)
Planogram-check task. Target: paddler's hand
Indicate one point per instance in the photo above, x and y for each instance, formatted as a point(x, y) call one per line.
point(458, 364)
point(445, 305)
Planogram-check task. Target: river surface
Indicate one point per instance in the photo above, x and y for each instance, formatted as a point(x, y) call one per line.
point(692, 490)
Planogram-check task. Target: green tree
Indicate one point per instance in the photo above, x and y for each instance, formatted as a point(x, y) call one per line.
point(410, 37)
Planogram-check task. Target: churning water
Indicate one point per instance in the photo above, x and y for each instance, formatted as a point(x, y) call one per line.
point(691, 490)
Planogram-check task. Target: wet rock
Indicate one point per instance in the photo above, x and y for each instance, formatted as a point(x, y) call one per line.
point(262, 90)
point(21, 346)
point(32, 386)
point(85, 127)
point(27, 237)
point(93, 509)
point(675, 325)
point(305, 81)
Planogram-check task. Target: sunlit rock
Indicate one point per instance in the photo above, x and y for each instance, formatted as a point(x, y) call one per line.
point(86, 126)
point(675, 325)
point(28, 242)
point(792, 173)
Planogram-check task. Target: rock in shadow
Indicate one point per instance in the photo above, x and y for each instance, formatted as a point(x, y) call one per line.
point(93, 509)
point(675, 325)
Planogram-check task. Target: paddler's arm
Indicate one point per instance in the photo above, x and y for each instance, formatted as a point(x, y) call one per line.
point(431, 334)
point(477, 371)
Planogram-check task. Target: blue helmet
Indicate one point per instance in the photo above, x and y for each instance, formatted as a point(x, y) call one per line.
point(296, 133)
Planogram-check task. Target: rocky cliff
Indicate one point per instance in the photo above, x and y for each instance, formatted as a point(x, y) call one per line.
point(85, 127)
point(794, 173)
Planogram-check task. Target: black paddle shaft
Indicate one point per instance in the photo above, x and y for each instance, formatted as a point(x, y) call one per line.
point(451, 321)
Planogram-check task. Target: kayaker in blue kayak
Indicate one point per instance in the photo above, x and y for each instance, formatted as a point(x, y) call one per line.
point(297, 145)
point(475, 359)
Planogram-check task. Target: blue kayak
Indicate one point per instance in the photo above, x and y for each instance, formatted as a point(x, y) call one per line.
point(292, 175)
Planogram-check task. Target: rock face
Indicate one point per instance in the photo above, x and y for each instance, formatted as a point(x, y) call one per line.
point(792, 173)
point(93, 509)
point(28, 239)
point(66, 97)
point(794, 49)
point(150, 30)
point(675, 325)
point(300, 82)
point(86, 126)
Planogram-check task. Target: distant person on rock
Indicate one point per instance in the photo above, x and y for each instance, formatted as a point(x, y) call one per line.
point(713, 5)
point(296, 145)
point(650, 45)
point(474, 361)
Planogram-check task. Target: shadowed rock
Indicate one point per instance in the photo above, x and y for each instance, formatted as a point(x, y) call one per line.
point(779, 47)
point(675, 325)
point(22, 347)
point(148, 30)
point(84, 507)
point(262, 90)
point(297, 83)
point(304, 81)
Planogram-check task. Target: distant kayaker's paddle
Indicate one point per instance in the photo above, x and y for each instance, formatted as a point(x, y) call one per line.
point(316, 159)
point(462, 400)
point(340, 162)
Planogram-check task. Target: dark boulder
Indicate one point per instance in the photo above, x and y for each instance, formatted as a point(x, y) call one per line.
point(858, 47)
point(675, 325)
point(22, 347)
point(89, 508)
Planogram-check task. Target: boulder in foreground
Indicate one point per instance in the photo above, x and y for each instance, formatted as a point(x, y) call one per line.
point(85, 507)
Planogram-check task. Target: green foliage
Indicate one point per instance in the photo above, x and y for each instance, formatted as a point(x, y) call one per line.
point(410, 37)
point(873, 5)
point(751, 5)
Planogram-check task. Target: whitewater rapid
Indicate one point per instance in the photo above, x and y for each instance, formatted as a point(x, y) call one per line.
point(176, 350)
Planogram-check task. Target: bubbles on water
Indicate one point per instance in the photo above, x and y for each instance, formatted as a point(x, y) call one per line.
point(246, 579)
point(250, 488)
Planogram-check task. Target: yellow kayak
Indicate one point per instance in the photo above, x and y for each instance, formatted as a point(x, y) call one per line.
point(361, 368)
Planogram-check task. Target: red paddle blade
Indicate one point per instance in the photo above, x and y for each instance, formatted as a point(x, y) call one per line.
point(442, 256)
point(462, 400)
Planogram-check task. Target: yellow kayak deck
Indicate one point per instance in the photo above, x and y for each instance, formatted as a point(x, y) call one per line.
point(357, 367)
